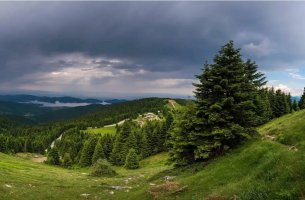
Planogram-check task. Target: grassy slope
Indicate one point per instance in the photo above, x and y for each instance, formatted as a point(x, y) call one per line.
point(260, 169)
point(103, 130)
point(31, 180)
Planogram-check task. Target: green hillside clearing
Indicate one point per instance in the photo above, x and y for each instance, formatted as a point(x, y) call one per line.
point(263, 168)
point(102, 130)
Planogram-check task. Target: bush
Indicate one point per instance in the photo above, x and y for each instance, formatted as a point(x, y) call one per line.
point(102, 168)
point(53, 157)
point(67, 161)
point(132, 160)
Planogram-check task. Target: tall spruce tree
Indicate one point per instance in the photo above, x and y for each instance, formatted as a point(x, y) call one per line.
point(257, 78)
point(98, 152)
point(132, 160)
point(295, 105)
point(119, 150)
point(145, 150)
point(302, 100)
point(87, 152)
point(225, 111)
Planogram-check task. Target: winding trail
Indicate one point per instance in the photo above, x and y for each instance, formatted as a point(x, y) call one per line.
point(119, 123)
point(172, 102)
point(53, 143)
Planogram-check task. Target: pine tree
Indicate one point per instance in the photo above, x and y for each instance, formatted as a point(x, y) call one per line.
point(87, 153)
point(98, 152)
point(302, 100)
point(2, 143)
point(107, 143)
point(262, 107)
point(132, 160)
point(295, 105)
point(257, 78)
point(225, 111)
point(53, 157)
point(131, 142)
point(289, 101)
point(119, 150)
point(145, 150)
point(181, 147)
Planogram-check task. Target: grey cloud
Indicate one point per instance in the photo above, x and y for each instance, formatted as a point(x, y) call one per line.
point(168, 39)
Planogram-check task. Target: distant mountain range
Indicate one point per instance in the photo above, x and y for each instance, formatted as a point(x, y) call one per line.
point(56, 101)
point(37, 108)
point(297, 98)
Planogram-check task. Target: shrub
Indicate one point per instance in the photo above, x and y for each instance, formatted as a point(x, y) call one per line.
point(53, 157)
point(67, 161)
point(102, 168)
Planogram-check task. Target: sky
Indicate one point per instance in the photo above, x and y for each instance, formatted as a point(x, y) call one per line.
point(134, 49)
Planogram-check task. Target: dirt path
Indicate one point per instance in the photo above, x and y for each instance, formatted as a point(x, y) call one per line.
point(53, 143)
point(39, 159)
point(119, 123)
point(273, 139)
point(172, 102)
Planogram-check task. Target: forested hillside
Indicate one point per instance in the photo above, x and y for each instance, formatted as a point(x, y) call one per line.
point(25, 138)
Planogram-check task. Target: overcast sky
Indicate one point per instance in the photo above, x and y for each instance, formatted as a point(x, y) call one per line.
point(122, 49)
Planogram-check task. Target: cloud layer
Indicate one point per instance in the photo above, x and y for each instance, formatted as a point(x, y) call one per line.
point(141, 48)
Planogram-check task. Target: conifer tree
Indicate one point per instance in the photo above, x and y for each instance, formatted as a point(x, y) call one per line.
point(225, 111)
point(145, 150)
point(257, 78)
point(181, 147)
point(2, 143)
point(289, 101)
point(132, 160)
point(302, 100)
point(87, 153)
point(98, 152)
point(107, 143)
point(131, 142)
point(119, 150)
point(295, 105)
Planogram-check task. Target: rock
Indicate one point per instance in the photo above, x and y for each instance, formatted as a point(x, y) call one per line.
point(168, 178)
point(111, 192)
point(9, 186)
point(118, 187)
point(292, 148)
point(152, 184)
point(270, 137)
point(85, 195)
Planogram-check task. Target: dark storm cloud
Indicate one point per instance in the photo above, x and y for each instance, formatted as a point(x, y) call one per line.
point(172, 38)
point(161, 36)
